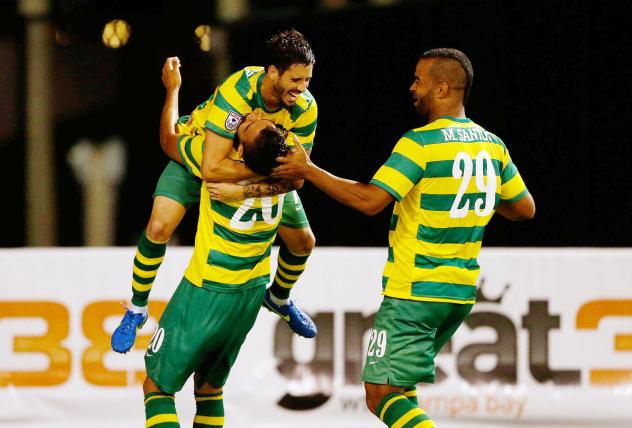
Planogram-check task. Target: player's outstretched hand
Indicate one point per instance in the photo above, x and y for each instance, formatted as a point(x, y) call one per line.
point(171, 74)
point(295, 165)
point(225, 191)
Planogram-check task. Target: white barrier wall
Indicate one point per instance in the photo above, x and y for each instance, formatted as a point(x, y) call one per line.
point(550, 342)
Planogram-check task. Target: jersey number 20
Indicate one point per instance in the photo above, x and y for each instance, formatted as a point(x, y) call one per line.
point(236, 221)
point(485, 182)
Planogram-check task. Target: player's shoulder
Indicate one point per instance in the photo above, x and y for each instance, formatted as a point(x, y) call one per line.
point(487, 135)
point(251, 70)
point(429, 133)
point(307, 98)
point(242, 78)
point(237, 91)
point(305, 103)
point(416, 135)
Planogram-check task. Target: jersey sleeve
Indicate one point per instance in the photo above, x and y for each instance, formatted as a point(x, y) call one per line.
point(403, 169)
point(191, 150)
point(305, 126)
point(512, 187)
point(229, 105)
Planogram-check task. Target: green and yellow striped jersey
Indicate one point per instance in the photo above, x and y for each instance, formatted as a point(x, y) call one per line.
point(240, 94)
point(233, 239)
point(447, 178)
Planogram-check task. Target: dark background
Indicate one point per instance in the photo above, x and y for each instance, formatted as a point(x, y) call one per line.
point(552, 79)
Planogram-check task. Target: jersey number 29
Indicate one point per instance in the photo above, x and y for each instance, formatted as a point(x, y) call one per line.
point(463, 167)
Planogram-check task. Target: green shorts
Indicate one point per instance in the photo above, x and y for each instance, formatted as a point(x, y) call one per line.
point(200, 331)
point(293, 212)
point(406, 337)
point(178, 184)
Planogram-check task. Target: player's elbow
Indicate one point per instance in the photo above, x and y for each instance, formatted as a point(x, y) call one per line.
point(370, 208)
point(527, 209)
point(210, 172)
point(522, 210)
point(169, 145)
point(521, 217)
point(525, 215)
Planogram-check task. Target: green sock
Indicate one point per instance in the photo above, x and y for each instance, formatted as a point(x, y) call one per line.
point(396, 410)
point(289, 268)
point(148, 258)
point(210, 410)
point(411, 394)
point(160, 411)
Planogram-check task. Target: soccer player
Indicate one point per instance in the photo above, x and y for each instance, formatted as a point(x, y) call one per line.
point(447, 178)
point(279, 93)
point(216, 304)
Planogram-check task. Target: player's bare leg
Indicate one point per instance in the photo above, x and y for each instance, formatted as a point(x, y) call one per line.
point(166, 215)
point(299, 241)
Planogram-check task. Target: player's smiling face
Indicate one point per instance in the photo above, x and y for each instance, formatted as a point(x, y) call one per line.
point(420, 89)
point(292, 83)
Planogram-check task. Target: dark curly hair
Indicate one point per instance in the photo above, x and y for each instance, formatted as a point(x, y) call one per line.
point(260, 156)
point(288, 47)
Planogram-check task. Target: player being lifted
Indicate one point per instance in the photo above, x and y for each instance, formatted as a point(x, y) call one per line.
point(216, 304)
point(277, 92)
point(448, 177)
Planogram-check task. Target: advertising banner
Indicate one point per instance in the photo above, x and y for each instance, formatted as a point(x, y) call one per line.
point(548, 343)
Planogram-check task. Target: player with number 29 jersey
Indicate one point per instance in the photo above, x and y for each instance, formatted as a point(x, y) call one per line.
point(447, 178)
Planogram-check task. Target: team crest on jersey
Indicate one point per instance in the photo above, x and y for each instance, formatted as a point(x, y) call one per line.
point(232, 121)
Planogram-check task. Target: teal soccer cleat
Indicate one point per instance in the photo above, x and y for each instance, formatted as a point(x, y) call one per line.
point(299, 321)
point(124, 336)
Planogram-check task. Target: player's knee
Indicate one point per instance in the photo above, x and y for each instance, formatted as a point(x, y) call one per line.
point(310, 242)
point(202, 387)
point(372, 402)
point(149, 386)
point(158, 230)
point(305, 244)
point(207, 389)
point(372, 397)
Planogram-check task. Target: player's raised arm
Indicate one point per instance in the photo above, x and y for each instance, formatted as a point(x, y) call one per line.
point(172, 80)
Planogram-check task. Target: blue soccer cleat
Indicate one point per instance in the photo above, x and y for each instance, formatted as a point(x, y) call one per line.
point(124, 336)
point(299, 321)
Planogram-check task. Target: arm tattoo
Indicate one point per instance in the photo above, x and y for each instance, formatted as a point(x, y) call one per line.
point(267, 188)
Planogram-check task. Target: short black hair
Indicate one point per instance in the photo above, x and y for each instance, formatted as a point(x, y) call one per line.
point(461, 58)
point(288, 47)
point(260, 156)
